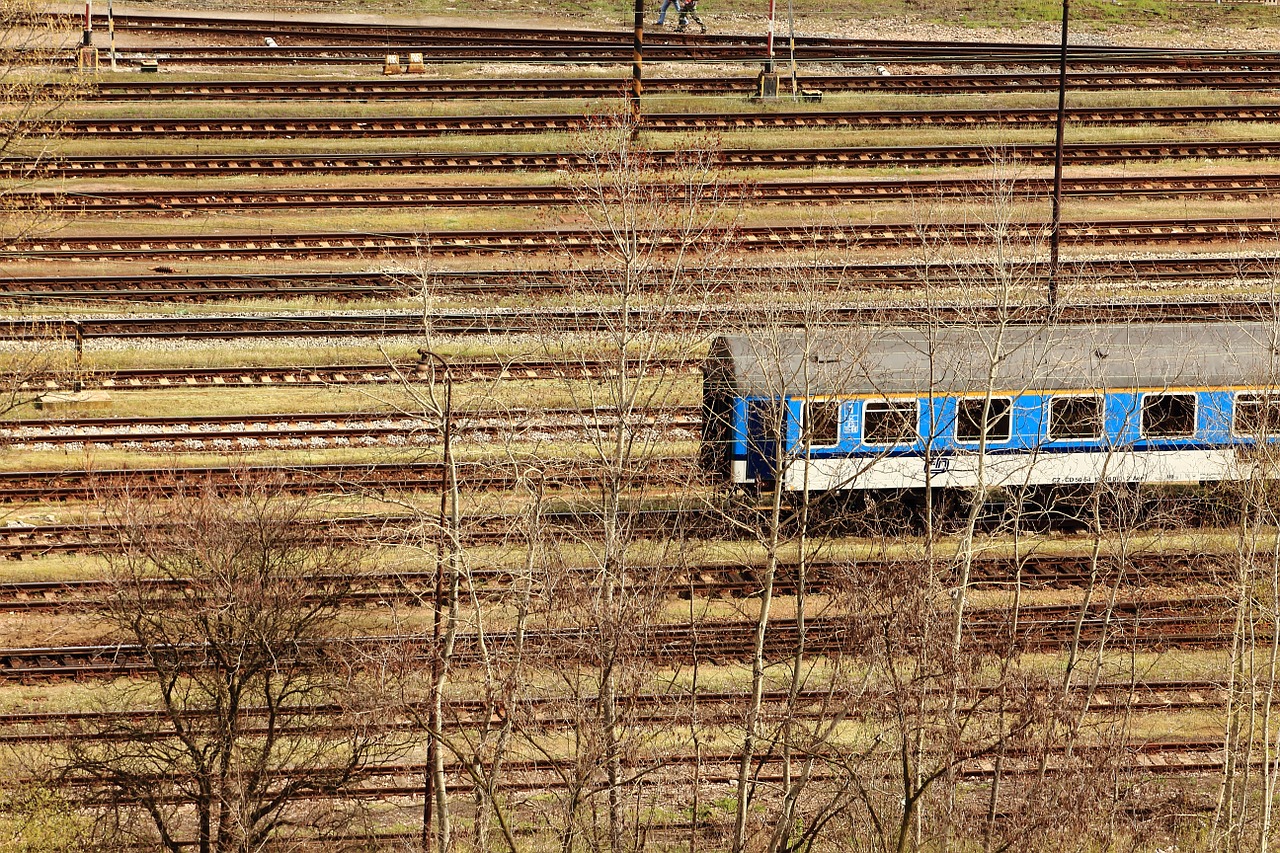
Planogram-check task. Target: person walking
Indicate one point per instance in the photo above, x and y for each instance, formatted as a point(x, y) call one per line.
point(689, 9)
point(667, 4)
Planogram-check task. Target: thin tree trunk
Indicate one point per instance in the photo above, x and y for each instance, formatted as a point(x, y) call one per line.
point(757, 648)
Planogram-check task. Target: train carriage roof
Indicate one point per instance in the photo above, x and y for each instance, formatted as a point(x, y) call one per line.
point(958, 359)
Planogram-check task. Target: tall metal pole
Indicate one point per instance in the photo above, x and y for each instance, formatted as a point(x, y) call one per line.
point(637, 68)
point(1055, 235)
point(88, 24)
point(768, 65)
point(111, 33)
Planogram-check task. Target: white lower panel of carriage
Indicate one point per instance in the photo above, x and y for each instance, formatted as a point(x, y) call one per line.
point(1042, 467)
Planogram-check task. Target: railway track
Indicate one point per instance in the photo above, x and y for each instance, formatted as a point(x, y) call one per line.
point(273, 246)
point(24, 541)
point(932, 51)
point(643, 708)
point(431, 88)
point(374, 127)
point(199, 165)
point(324, 429)
point(616, 49)
point(592, 320)
point(1183, 623)
point(178, 287)
point(341, 478)
point(823, 191)
point(738, 580)
point(676, 772)
point(462, 370)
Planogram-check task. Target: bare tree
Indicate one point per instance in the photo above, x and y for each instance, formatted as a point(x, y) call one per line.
point(262, 703)
point(1243, 816)
point(655, 268)
point(31, 97)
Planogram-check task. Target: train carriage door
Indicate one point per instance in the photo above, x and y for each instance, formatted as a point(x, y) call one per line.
point(720, 429)
point(766, 428)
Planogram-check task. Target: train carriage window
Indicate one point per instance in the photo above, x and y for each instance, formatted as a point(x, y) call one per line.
point(1075, 417)
point(822, 422)
point(889, 422)
point(1257, 415)
point(969, 419)
point(1168, 415)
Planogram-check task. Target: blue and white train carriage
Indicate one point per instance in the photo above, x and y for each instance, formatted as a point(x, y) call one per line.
point(958, 407)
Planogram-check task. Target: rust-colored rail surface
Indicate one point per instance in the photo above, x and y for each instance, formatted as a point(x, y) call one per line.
point(497, 283)
point(338, 478)
point(194, 165)
point(562, 241)
point(559, 712)
point(432, 88)
point(299, 38)
point(250, 376)
point(824, 191)
point(31, 541)
point(732, 580)
point(372, 127)
point(320, 429)
point(721, 317)
point(1184, 623)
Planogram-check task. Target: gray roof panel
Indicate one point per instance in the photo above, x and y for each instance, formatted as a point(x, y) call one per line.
point(898, 360)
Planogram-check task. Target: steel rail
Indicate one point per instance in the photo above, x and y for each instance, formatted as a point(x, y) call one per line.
point(823, 191)
point(274, 26)
point(724, 762)
point(1148, 759)
point(612, 48)
point(1036, 571)
point(721, 771)
point(646, 707)
point(773, 158)
point(342, 478)
point(315, 429)
point(193, 288)
point(513, 242)
point(593, 87)
point(372, 127)
point(249, 376)
point(1194, 623)
point(495, 34)
point(22, 541)
point(588, 320)
point(766, 770)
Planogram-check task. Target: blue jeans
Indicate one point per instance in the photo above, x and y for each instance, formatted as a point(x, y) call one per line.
point(667, 4)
